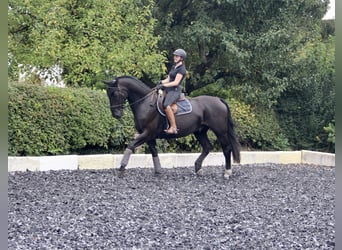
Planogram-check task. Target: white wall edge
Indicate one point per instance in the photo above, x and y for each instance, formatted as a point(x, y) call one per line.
point(167, 160)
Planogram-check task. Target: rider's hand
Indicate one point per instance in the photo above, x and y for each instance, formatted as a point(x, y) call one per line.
point(160, 85)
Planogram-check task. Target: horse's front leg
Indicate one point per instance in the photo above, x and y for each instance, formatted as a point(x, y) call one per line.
point(125, 159)
point(203, 139)
point(139, 140)
point(156, 162)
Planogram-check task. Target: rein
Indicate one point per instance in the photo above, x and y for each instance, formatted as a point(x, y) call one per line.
point(131, 104)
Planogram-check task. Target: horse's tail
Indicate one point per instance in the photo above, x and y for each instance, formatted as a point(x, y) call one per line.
point(232, 135)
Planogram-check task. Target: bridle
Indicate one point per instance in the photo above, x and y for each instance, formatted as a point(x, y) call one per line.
point(123, 105)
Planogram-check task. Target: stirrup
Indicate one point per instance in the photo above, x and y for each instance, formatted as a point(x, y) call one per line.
point(171, 131)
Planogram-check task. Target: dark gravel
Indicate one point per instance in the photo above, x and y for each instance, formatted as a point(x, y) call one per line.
point(263, 206)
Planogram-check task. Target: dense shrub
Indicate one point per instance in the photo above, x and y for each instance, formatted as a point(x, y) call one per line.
point(257, 128)
point(51, 121)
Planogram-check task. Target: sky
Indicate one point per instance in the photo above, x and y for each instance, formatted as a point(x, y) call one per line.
point(331, 11)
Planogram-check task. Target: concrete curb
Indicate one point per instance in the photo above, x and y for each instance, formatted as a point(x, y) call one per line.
point(317, 158)
point(168, 160)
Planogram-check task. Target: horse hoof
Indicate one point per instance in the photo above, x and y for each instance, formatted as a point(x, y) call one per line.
point(122, 169)
point(227, 174)
point(199, 172)
point(157, 171)
point(120, 173)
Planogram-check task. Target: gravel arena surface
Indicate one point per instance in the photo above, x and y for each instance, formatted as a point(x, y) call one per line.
point(261, 206)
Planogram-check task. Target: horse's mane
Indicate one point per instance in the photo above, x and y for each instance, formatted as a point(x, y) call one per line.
point(143, 85)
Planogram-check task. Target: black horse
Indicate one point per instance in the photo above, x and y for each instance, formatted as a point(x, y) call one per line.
point(208, 112)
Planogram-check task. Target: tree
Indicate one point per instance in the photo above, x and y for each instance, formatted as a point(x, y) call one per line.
point(274, 55)
point(246, 45)
point(88, 39)
point(308, 104)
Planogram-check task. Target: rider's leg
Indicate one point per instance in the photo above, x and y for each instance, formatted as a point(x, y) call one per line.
point(171, 117)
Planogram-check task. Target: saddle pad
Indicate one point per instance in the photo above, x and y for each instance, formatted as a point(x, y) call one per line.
point(184, 107)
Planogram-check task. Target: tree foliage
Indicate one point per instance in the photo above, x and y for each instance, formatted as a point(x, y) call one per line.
point(270, 56)
point(274, 55)
point(247, 45)
point(308, 104)
point(88, 39)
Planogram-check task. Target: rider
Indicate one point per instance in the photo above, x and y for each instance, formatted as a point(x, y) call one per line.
point(172, 86)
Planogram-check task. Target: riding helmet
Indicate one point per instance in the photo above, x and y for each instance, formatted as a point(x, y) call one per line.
point(180, 52)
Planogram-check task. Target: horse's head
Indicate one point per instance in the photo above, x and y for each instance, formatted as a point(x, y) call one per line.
point(117, 97)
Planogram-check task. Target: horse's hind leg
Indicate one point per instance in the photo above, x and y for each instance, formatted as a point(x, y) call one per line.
point(226, 148)
point(202, 137)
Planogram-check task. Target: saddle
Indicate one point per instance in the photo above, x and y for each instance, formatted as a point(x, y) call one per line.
point(181, 107)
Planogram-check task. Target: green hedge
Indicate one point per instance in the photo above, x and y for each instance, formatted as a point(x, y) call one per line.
point(257, 129)
point(52, 121)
